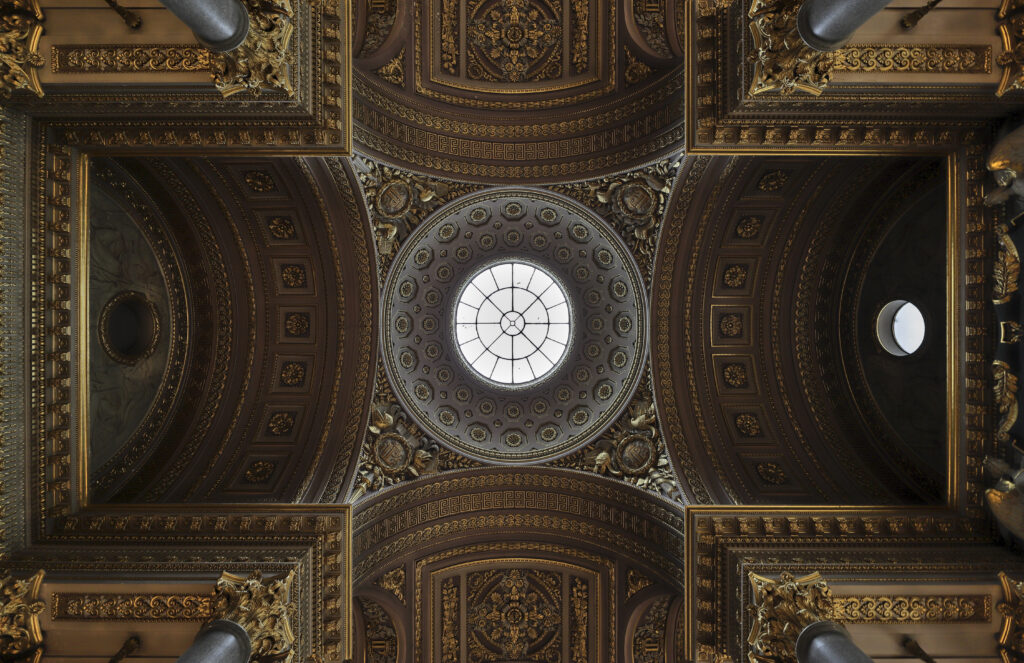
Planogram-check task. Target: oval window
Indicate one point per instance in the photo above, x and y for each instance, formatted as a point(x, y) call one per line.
point(900, 328)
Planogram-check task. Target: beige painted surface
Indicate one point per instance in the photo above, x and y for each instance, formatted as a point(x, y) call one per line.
point(86, 641)
point(954, 22)
point(69, 22)
point(966, 643)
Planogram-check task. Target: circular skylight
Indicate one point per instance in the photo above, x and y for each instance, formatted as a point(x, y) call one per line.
point(900, 328)
point(512, 323)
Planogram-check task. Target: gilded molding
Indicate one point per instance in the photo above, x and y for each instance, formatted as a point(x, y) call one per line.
point(950, 609)
point(134, 607)
point(1010, 21)
point(783, 63)
point(20, 635)
point(261, 63)
point(117, 59)
point(781, 609)
point(262, 609)
point(1011, 635)
point(21, 27)
point(913, 59)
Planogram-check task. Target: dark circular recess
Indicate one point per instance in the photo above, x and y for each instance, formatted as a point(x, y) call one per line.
point(578, 399)
point(129, 327)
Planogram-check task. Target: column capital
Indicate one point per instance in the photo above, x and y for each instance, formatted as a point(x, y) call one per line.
point(783, 62)
point(782, 609)
point(20, 634)
point(262, 609)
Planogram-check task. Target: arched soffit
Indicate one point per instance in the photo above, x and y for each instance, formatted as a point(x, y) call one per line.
point(769, 278)
point(524, 90)
point(453, 549)
point(270, 334)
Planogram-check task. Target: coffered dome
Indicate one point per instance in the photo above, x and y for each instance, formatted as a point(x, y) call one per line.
point(513, 326)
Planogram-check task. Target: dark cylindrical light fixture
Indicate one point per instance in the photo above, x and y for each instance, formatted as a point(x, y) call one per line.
point(828, 642)
point(221, 25)
point(825, 25)
point(222, 641)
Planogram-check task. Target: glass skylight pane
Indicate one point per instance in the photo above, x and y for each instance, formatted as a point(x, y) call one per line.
point(502, 323)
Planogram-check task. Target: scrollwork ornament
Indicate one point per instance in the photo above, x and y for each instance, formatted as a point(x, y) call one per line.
point(21, 637)
point(783, 63)
point(21, 26)
point(1010, 20)
point(262, 609)
point(261, 62)
point(781, 609)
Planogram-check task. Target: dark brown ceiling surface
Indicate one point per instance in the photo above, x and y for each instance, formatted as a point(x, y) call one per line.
point(524, 90)
point(771, 383)
point(269, 384)
point(517, 564)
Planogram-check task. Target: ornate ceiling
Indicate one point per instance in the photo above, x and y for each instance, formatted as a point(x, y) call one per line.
point(211, 300)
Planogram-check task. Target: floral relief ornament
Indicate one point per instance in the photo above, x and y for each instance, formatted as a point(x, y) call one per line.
point(513, 36)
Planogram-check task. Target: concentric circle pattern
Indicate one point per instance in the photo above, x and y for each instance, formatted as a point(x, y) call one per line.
point(513, 325)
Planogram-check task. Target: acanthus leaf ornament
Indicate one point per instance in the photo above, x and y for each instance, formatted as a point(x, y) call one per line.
point(781, 609)
point(21, 637)
point(263, 609)
point(1005, 389)
point(1006, 270)
point(21, 26)
point(783, 63)
point(261, 63)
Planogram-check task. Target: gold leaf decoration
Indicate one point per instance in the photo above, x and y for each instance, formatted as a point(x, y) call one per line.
point(781, 609)
point(21, 26)
point(262, 609)
point(261, 63)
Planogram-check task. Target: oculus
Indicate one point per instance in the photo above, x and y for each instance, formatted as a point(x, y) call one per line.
point(900, 328)
point(513, 325)
point(129, 327)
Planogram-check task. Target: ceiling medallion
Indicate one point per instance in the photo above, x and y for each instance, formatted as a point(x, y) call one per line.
point(514, 328)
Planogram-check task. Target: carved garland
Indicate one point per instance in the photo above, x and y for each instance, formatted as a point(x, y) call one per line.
point(782, 608)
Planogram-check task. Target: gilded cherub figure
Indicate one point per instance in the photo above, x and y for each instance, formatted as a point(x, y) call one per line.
point(1006, 161)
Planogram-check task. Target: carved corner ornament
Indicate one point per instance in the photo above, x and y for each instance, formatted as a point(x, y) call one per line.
point(781, 609)
point(1010, 19)
point(21, 638)
point(261, 62)
point(21, 26)
point(1011, 635)
point(783, 63)
point(262, 609)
